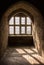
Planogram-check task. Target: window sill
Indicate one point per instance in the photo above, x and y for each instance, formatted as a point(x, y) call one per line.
point(20, 35)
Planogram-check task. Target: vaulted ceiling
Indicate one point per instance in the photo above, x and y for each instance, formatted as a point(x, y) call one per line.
point(4, 4)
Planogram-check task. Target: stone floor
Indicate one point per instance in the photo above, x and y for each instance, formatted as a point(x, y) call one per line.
point(22, 56)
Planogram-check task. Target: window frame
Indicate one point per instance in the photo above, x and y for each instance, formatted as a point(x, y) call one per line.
point(20, 25)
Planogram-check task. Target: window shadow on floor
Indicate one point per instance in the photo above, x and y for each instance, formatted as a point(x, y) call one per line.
point(21, 56)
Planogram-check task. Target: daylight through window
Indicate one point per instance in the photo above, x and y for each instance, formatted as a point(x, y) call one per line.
point(20, 26)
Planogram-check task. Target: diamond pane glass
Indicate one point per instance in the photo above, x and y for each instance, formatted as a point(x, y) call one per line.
point(11, 29)
point(17, 30)
point(22, 20)
point(17, 20)
point(23, 30)
point(28, 29)
point(11, 21)
point(28, 21)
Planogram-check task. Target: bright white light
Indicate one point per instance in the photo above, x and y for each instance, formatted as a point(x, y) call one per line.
point(23, 20)
point(11, 30)
point(23, 30)
point(28, 21)
point(28, 29)
point(11, 21)
point(17, 20)
point(17, 30)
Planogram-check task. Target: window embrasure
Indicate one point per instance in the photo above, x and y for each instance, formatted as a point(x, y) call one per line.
point(19, 25)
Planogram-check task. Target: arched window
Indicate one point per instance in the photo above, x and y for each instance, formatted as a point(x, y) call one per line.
point(20, 25)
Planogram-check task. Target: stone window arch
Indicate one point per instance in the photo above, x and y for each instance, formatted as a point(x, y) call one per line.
point(20, 23)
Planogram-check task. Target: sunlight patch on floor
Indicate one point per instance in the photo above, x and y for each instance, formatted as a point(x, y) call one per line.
point(22, 56)
point(38, 57)
point(28, 50)
point(30, 59)
point(20, 51)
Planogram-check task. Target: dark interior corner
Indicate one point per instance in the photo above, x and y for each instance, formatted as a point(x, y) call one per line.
point(4, 4)
point(20, 41)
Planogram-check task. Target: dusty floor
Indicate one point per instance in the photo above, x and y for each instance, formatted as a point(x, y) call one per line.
point(22, 56)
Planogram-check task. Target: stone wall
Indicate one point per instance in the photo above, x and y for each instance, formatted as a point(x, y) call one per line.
point(37, 27)
point(38, 35)
point(3, 36)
